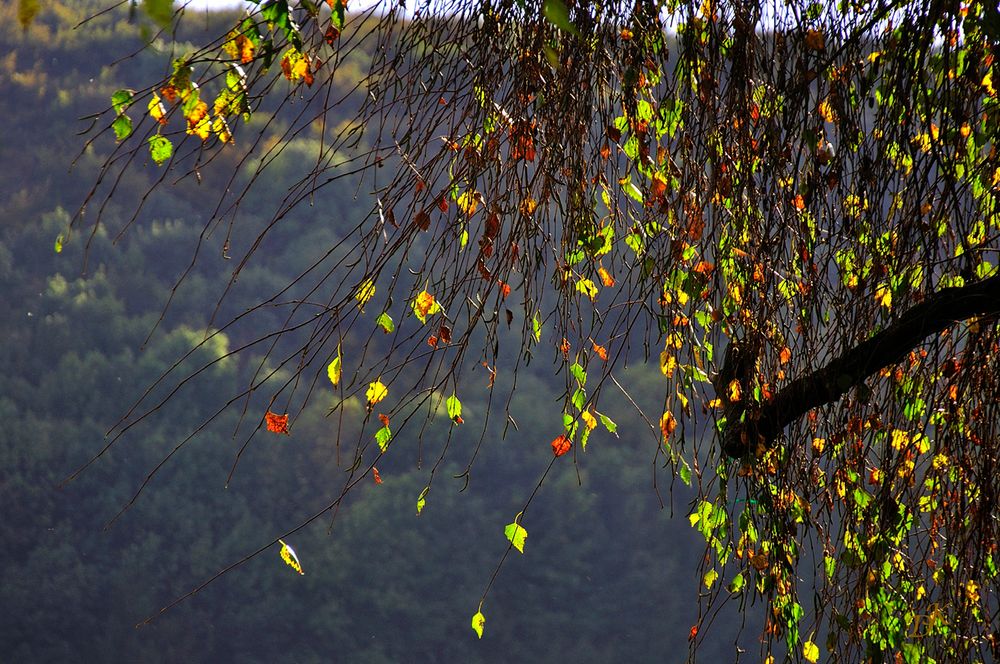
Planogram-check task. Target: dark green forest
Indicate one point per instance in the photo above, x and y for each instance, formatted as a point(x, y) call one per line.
point(607, 574)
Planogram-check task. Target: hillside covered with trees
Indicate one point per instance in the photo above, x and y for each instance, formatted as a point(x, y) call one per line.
point(610, 577)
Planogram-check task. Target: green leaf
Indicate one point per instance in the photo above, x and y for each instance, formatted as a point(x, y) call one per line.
point(385, 322)
point(579, 399)
point(578, 373)
point(516, 534)
point(557, 13)
point(121, 99)
point(685, 473)
point(609, 424)
point(736, 585)
point(709, 578)
point(59, 243)
point(454, 407)
point(122, 126)
point(422, 500)
point(536, 327)
point(160, 148)
point(382, 437)
point(478, 623)
point(632, 191)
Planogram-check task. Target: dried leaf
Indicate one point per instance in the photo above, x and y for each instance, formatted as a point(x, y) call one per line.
point(276, 423)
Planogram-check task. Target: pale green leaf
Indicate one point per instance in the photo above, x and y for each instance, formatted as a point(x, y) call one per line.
point(516, 534)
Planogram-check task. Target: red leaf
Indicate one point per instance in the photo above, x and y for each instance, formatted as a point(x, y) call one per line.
point(384, 419)
point(561, 445)
point(693, 633)
point(504, 289)
point(444, 334)
point(422, 220)
point(276, 423)
point(376, 476)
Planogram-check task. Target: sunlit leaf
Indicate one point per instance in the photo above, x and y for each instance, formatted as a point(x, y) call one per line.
point(376, 392)
point(709, 578)
point(810, 652)
point(276, 423)
point(606, 277)
point(608, 423)
point(422, 500)
point(587, 287)
point(59, 243)
point(365, 292)
point(383, 437)
point(454, 407)
point(425, 305)
point(588, 420)
point(288, 555)
point(668, 423)
point(516, 534)
point(478, 623)
point(561, 445)
point(333, 371)
point(160, 148)
point(122, 126)
point(385, 322)
point(121, 100)
point(376, 477)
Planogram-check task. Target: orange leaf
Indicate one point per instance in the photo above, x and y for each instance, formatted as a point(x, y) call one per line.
point(564, 348)
point(432, 341)
point(376, 476)
point(561, 445)
point(734, 390)
point(384, 419)
point(606, 277)
point(667, 424)
point(276, 423)
point(693, 633)
point(785, 355)
point(799, 202)
point(504, 289)
point(601, 351)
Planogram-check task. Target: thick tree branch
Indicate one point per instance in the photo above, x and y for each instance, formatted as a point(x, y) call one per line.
point(936, 313)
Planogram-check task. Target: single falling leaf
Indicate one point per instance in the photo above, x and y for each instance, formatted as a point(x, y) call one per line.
point(376, 476)
point(376, 392)
point(276, 423)
point(365, 292)
point(425, 305)
point(333, 371)
point(668, 423)
point(561, 445)
point(516, 534)
point(478, 623)
point(288, 555)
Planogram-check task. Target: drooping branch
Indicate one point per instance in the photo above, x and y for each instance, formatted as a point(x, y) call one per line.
point(936, 313)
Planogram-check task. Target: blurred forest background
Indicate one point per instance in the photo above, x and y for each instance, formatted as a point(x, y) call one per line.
point(607, 575)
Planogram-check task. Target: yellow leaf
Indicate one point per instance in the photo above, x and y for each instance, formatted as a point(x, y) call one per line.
point(884, 296)
point(667, 424)
point(469, 202)
point(734, 390)
point(668, 363)
point(288, 555)
point(156, 109)
point(425, 305)
point(334, 370)
point(785, 355)
point(589, 420)
point(376, 392)
point(366, 291)
point(710, 577)
point(810, 651)
point(826, 111)
point(587, 287)
point(478, 623)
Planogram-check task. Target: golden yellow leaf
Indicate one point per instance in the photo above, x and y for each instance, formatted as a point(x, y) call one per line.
point(376, 392)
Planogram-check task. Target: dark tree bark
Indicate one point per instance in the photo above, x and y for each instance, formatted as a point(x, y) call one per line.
point(937, 312)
